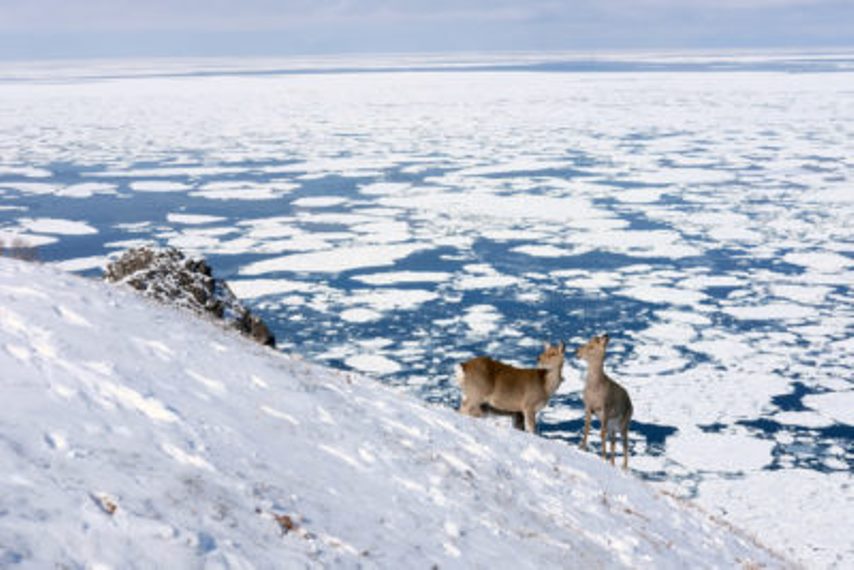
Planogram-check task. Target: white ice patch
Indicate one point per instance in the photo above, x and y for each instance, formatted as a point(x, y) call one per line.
point(692, 176)
point(838, 406)
point(665, 295)
point(470, 282)
point(482, 320)
point(714, 452)
point(83, 263)
point(319, 201)
point(589, 280)
point(635, 243)
point(226, 190)
point(814, 294)
point(479, 205)
point(639, 195)
point(670, 333)
point(542, 250)
point(384, 188)
point(158, 186)
point(820, 261)
point(252, 288)
point(186, 170)
point(383, 300)
point(192, 219)
point(803, 419)
point(771, 311)
point(360, 315)
point(86, 190)
point(373, 364)
point(483, 276)
point(57, 226)
point(516, 166)
point(334, 260)
point(34, 188)
point(25, 171)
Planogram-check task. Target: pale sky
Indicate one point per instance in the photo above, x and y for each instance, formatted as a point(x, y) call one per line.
point(81, 28)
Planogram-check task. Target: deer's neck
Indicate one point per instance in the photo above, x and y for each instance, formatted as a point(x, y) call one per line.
point(553, 378)
point(596, 371)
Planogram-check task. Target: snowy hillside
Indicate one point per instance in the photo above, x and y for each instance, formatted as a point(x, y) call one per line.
point(132, 435)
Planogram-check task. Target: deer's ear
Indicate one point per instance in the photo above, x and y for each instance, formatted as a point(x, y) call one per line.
point(546, 345)
point(605, 338)
point(562, 347)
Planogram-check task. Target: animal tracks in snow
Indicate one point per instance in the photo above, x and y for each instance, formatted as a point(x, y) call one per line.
point(40, 339)
point(273, 412)
point(215, 386)
point(185, 458)
point(155, 348)
point(71, 317)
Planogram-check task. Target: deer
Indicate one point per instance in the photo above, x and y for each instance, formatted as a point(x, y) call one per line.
point(521, 392)
point(605, 398)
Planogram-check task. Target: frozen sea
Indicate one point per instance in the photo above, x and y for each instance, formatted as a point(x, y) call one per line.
point(397, 215)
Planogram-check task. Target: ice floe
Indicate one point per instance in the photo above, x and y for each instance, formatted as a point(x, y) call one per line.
point(252, 288)
point(838, 406)
point(373, 364)
point(156, 186)
point(716, 452)
point(243, 190)
point(57, 226)
point(192, 219)
point(334, 260)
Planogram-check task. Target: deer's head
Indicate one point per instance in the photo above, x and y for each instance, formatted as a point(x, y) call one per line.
point(593, 349)
point(552, 355)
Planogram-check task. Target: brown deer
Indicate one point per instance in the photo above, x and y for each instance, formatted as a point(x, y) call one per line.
point(521, 392)
point(605, 398)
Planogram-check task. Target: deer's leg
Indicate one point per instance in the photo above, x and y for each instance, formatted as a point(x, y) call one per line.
point(519, 420)
point(471, 407)
point(530, 420)
point(603, 430)
point(613, 437)
point(583, 444)
point(625, 430)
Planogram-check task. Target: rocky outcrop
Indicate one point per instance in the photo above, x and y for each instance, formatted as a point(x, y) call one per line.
point(171, 277)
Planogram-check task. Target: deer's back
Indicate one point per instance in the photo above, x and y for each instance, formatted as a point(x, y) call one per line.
point(504, 385)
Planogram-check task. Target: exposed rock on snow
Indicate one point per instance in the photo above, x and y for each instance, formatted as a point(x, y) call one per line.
point(132, 444)
point(169, 276)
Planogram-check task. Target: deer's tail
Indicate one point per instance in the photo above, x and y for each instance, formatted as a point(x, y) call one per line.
point(460, 373)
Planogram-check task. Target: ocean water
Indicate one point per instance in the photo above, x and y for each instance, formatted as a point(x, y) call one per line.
point(397, 216)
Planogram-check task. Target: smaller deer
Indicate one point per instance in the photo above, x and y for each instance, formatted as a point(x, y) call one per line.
point(507, 389)
point(604, 397)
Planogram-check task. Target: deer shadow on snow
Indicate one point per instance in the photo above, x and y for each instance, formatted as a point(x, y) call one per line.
point(653, 436)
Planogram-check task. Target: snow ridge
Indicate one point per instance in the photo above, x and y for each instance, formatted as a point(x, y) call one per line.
point(155, 439)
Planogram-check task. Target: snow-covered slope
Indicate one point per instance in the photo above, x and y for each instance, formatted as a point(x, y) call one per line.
point(133, 435)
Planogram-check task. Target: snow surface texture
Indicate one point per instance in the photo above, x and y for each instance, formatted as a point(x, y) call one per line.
point(397, 223)
point(133, 435)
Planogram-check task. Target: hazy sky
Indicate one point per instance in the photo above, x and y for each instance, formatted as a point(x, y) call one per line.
point(75, 28)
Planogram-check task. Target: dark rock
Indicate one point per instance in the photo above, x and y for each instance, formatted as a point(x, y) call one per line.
point(171, 277)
